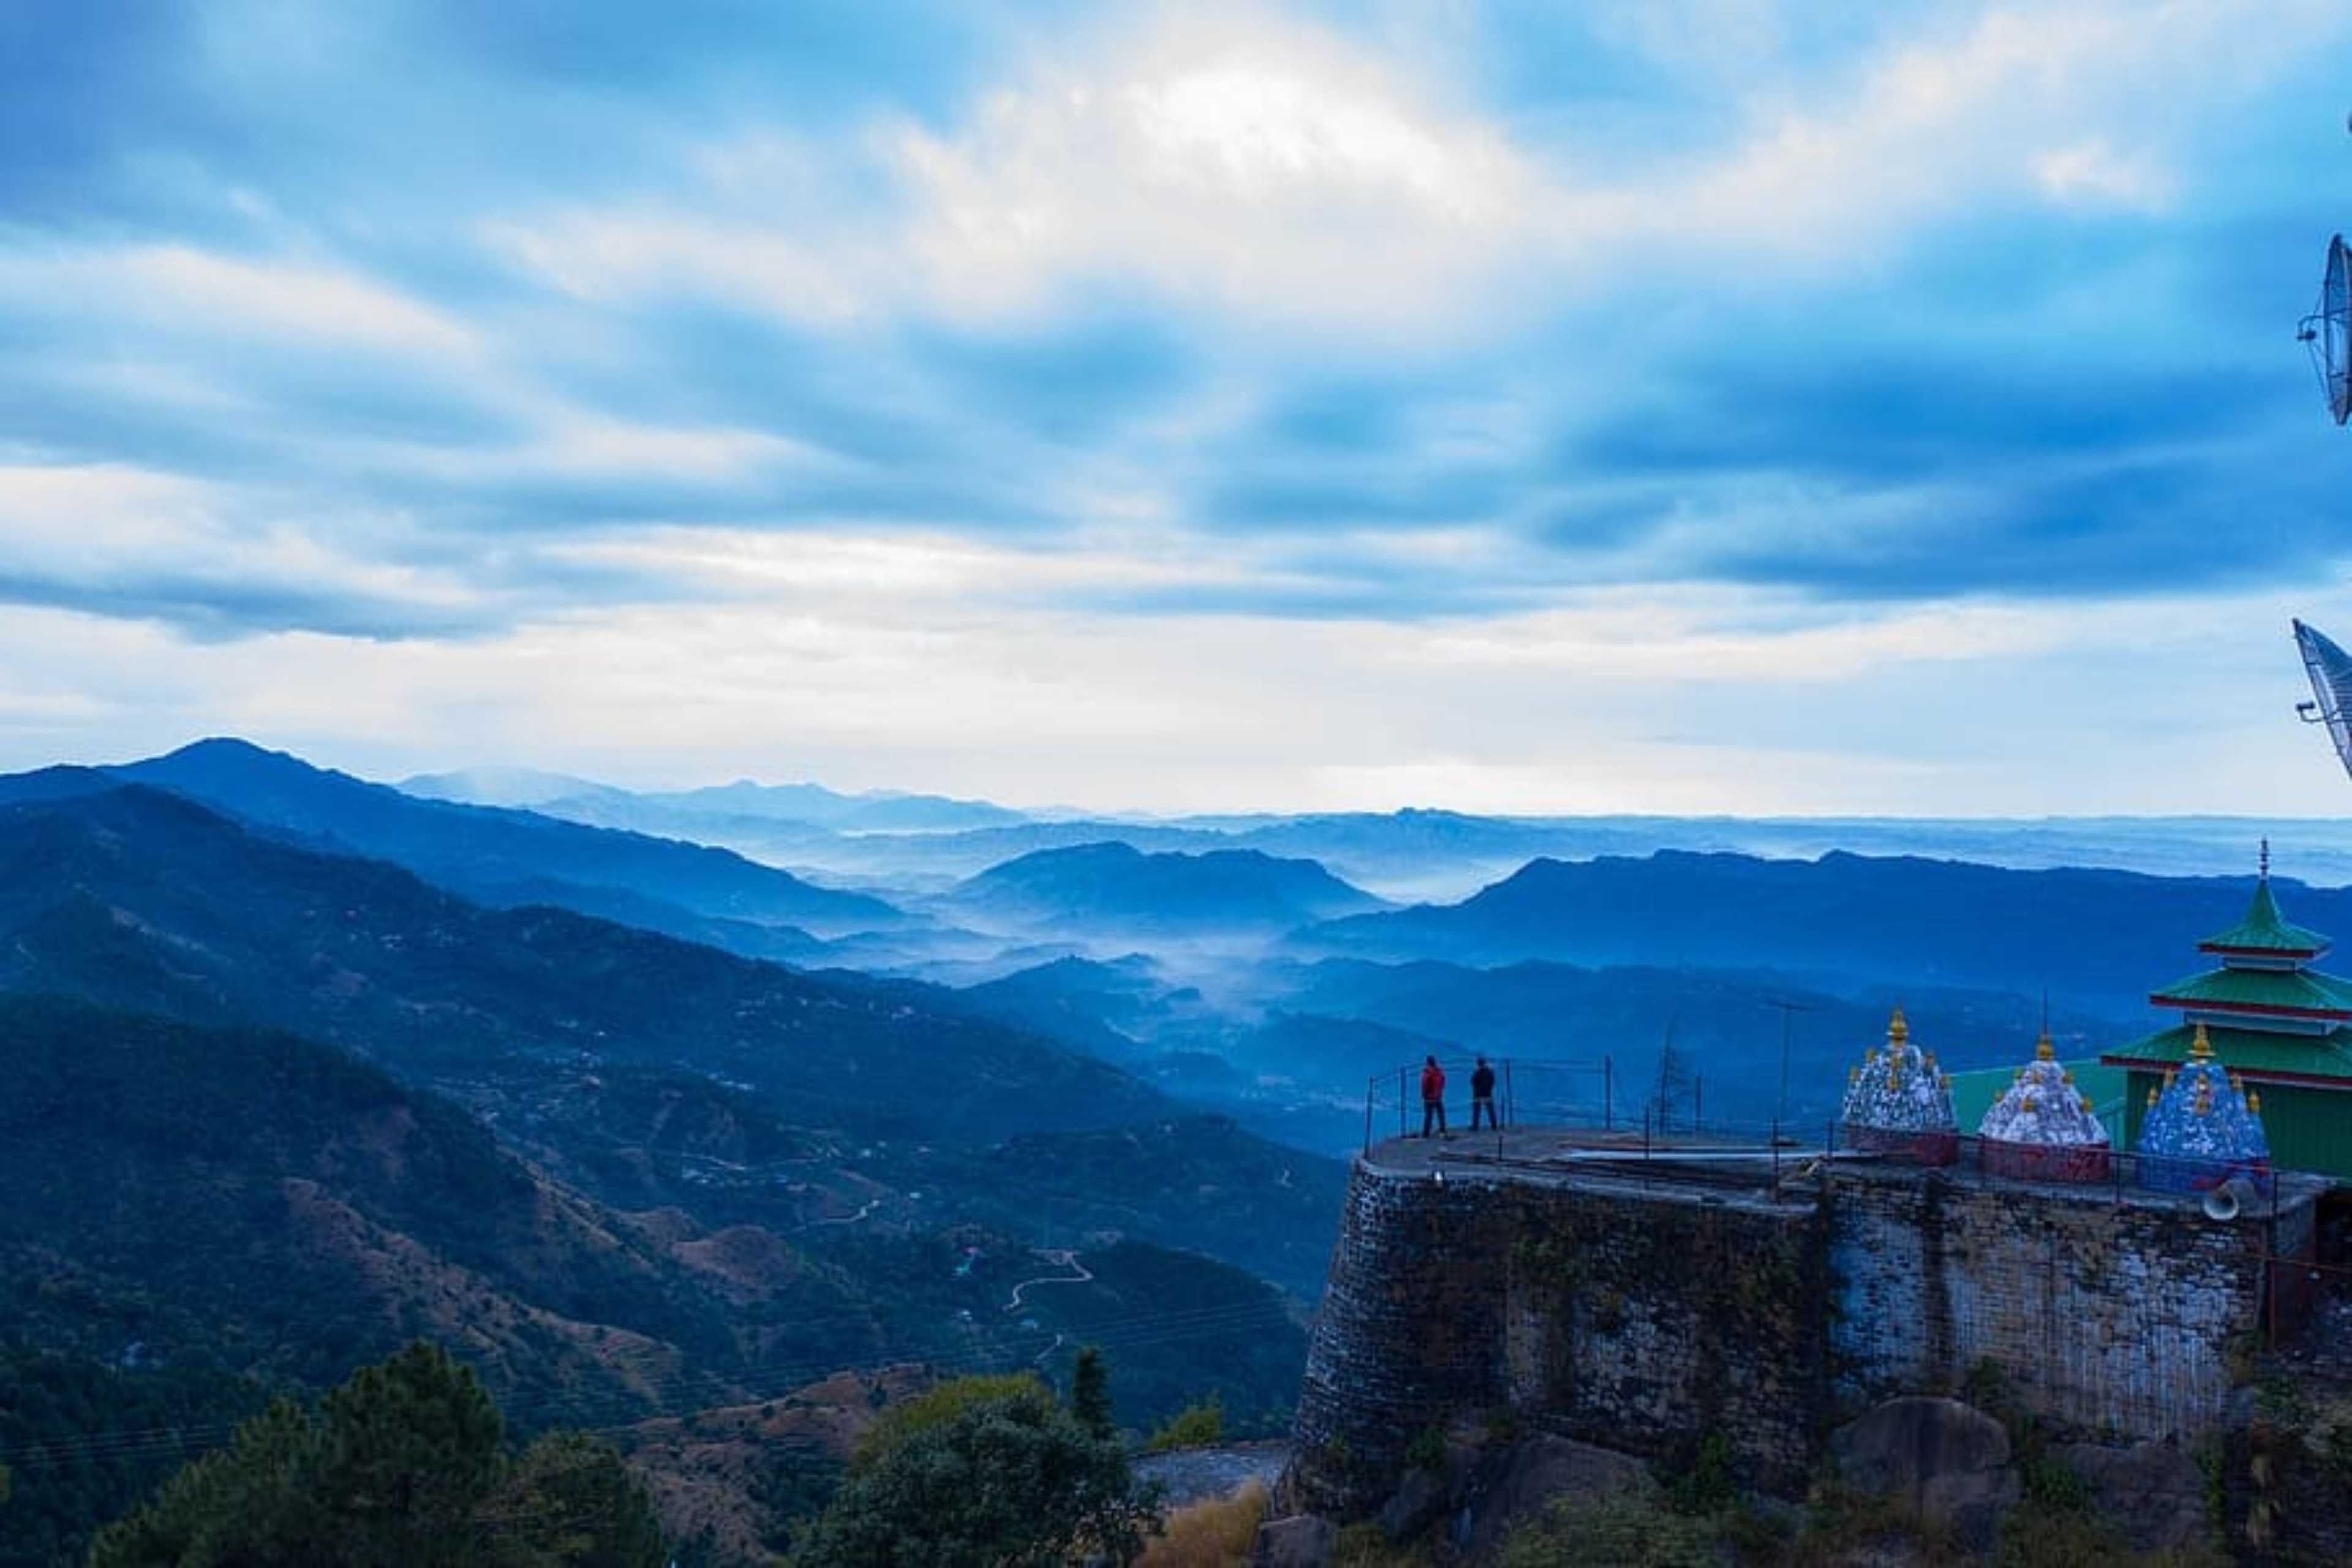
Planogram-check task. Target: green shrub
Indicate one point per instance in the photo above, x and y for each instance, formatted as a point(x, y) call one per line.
point(1614, 1533)
point(1708, 1484)
point(1199, 1425)
point(1427, 1449)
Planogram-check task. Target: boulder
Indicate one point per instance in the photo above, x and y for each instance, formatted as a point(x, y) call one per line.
point(1421, 1500)
point(1532, 1472)
point(1302, 1541)
point(1945, 1460)
point(2152, 1494)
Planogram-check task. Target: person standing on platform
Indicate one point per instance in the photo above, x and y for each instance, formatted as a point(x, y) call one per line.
point(1433, 1095)
point(1482, 1097)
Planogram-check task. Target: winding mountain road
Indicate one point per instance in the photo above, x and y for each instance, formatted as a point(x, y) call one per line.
point(1066, 1259)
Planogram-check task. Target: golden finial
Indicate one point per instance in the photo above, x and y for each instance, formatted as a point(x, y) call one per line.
point(2254, 1102)
point(1898, 1031)
point(2200, 1047)
point(2151, 1097)
point(1853, 1074)
point(2084, 1098)
point(2170, 1074)
point(2026, 1104)
point(1927, 1060)
point(2045, 1051)
point(2067, 1076)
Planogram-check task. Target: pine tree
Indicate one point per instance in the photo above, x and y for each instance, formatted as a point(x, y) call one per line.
point(408, 1449)
point(402, 1466)
point(575, 1503)
point(1090, 1394)
point(984, 1470)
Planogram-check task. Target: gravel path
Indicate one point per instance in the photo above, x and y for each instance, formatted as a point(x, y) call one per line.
point(1193, 1474)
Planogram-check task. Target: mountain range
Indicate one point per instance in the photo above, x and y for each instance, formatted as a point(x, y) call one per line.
point(1114, 888)
point(780, 1117)
point(2096, 939)
point(652, 1126)
point(496, 856)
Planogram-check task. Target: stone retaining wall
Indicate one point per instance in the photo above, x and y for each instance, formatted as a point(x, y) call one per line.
point(1658, 1316)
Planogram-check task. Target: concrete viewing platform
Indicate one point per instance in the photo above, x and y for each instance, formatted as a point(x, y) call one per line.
point(1727, 1168)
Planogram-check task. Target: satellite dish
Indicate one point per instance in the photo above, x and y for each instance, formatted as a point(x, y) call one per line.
point(2330, 668)
point(2328, 331)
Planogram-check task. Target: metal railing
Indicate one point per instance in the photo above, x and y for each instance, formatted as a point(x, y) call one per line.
point(1526, 1092)
point(1581, 1097)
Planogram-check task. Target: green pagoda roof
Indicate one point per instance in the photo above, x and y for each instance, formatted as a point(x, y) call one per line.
point(2264, 929)
point(2253, 1051)
point(2301, 992)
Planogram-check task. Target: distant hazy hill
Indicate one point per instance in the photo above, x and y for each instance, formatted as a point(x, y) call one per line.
point(679, 813)
point(876, 812)
point(2090, 939)
point(1443, 857)
point(1092, 886)
point(1726, 1027)
point(522, 787)
point(1104, 1008)
point(499, 856)
point(143, 899)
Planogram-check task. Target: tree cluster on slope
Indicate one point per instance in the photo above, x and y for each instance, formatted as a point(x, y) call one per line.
point(404, 1466)
point(990, 1469)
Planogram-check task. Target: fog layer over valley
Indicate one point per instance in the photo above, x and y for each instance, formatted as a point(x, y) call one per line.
point(659, 1105)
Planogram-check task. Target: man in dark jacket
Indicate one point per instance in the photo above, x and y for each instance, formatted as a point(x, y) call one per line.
point(1482, 1096)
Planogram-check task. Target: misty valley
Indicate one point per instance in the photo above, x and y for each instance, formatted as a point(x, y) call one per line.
point(697, 1119)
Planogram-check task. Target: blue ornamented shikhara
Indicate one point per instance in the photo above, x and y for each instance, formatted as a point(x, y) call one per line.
point(2202, 1129)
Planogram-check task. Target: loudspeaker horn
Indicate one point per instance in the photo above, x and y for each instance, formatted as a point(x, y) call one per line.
point(2224, 1201)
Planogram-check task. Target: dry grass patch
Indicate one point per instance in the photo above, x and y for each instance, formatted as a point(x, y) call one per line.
point(1214, 1534)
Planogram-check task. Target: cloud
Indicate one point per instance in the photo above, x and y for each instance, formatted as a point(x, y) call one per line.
point(1220, 160)
point(1233, 381)
point(1263, 170)
point(139, 545)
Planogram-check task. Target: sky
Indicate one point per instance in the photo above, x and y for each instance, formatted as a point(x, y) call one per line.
point(1688, 406)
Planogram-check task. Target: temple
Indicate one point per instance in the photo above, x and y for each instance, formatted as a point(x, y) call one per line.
point(1899, 1105)
point(2276, 1026)
point(1653, 1294)
point(2203, 1129)
point(2043, 1127)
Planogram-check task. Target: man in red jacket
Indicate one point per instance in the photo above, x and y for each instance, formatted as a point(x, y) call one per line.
point(1433, 1095)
